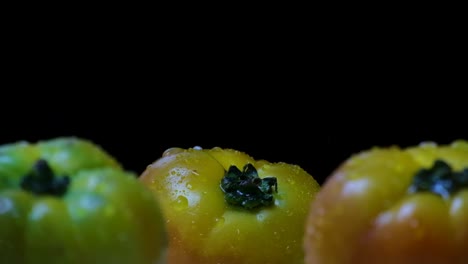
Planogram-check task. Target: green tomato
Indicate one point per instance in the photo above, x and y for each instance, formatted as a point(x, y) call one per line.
point(66, 200)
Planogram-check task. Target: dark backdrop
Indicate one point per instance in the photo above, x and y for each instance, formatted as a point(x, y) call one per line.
point(309, 95)
point(309, 106)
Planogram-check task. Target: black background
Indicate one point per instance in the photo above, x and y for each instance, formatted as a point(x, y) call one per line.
point(279, 96)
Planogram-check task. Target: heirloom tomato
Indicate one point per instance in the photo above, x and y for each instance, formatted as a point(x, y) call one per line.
point(65, 200)
point(390, 205)
point(223, 206)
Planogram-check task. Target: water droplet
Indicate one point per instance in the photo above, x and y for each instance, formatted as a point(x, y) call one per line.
point(260, 217)
point(219, 221)
point(189, 186)
point(428, 144)
point(459, 144)
point(180, 203)
point(277, 202)
point(171, 151)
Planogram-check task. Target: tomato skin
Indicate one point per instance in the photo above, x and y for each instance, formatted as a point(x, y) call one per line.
point(365, 214)
point(204, 228)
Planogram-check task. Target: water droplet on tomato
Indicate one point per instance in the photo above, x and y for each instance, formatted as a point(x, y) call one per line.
point(428, 144)
point(219, 221)
point(180, 203)
point(217, 149)
point(171, 151)
point(260, 217)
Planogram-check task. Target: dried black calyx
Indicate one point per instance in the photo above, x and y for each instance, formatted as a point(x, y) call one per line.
point(246, 189)
point(440, 179)
point(42, 181)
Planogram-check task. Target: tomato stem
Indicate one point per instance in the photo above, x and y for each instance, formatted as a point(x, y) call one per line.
point(246, 189)
point(439, 179)
point(42, 181)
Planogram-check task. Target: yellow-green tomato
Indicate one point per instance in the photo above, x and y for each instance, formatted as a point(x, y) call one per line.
point(390, 205)
point(223, 206)
point(67, 201)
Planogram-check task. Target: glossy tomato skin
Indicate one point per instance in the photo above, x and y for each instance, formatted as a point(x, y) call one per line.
point(365, 214)
point(204, 228)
